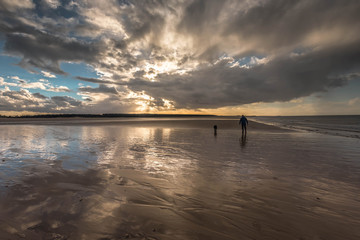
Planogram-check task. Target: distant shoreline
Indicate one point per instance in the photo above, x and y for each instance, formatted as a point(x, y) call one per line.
point(109, 115)
point(148, 115)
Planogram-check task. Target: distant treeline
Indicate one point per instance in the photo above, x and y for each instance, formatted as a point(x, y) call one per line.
point(106, 115)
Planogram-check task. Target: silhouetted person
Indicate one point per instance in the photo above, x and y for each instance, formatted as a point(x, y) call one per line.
point(244, 122)
point(215, 130)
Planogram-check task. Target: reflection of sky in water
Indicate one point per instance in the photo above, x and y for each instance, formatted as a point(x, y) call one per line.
point(156, 151)
point(193, 174)
point(78, 148)
point(166, 152)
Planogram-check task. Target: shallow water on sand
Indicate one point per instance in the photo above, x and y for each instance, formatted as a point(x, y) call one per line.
point(133, 182)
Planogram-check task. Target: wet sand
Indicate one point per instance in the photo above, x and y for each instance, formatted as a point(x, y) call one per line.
point(175, 180)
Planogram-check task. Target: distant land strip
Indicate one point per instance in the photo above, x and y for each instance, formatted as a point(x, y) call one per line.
point(107, 115)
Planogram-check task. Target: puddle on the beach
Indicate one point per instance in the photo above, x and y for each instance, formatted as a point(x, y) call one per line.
point(123, 182)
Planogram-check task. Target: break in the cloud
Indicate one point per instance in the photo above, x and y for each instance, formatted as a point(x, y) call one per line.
point(180, 55)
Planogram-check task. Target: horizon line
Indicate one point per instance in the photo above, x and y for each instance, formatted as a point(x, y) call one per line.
point(114, 115)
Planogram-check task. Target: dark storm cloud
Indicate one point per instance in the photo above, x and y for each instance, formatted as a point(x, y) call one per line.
point(66, 101)
point(39, 95)
point(94, 80)
point(144, 18)
point(101, 82)
point(55, 9)
point(268, 25)
point(279, 23)
point(41, 41)
point(282, 79)
point(45, 51)
point(200, 16)
point(101, 89)
point(143, 24)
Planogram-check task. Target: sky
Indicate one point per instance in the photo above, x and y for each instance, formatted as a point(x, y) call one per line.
point(230, 57)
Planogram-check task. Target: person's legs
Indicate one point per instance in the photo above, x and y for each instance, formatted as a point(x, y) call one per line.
point(243, 127)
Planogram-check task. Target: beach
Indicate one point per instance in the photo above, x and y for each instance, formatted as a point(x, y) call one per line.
point(175, 179)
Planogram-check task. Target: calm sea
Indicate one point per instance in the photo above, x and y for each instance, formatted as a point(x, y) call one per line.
point(347, 126)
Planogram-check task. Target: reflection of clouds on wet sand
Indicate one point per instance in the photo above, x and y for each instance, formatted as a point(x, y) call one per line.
point(135, 182)
point(18, 142)
point(156, 153)
point(147, 149)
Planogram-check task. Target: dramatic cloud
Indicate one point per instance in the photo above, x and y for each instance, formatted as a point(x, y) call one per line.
point(281, 79)
point(59, 89)
point(101, 89)
point(95, 80)
point(45, 51)
point(15, 5)
point(42, 84)
point(16, 100)
point(196, 54)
